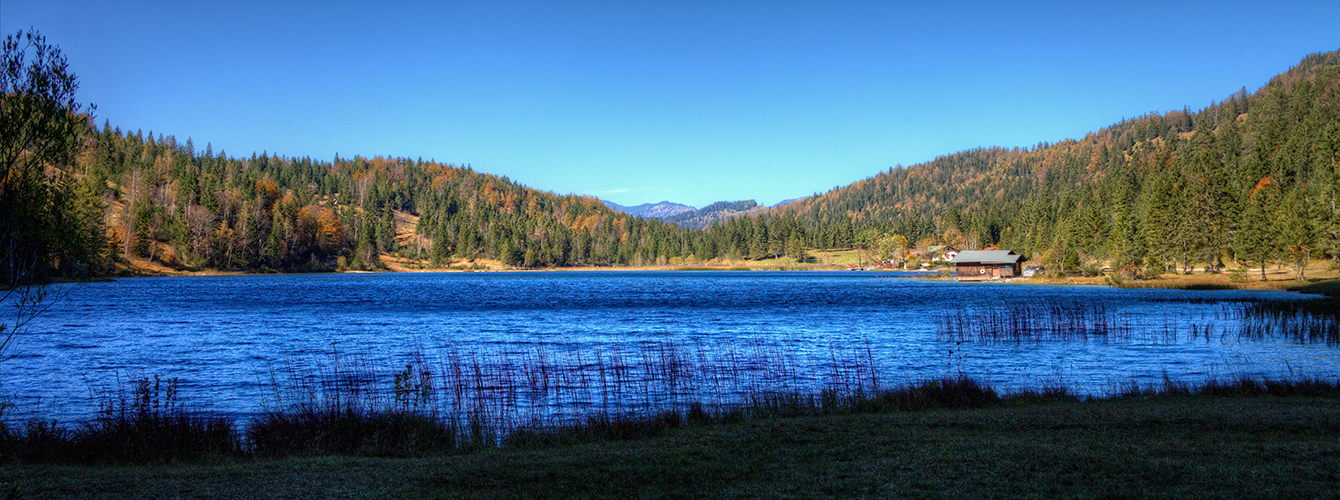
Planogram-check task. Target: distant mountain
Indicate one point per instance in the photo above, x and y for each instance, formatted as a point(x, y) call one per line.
point(717, 212)
point(690, 217)
point(660, 210)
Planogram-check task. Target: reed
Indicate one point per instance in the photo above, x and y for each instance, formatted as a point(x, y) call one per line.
point(1049, 321)
point(351, 431)
point(464, 401)
point(1314, 320)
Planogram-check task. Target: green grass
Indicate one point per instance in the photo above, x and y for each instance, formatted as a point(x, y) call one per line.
point(1167, 445)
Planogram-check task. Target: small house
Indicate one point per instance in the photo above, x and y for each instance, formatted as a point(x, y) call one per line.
point(937, 253)
point(973, 265)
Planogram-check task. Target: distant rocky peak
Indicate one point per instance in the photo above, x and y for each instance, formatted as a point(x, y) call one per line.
point(660, 210)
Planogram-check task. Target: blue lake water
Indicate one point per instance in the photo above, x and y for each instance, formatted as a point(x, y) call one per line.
point(225, 338)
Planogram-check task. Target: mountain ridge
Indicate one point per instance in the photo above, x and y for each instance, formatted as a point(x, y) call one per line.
point(717, 212)
point(659, 210)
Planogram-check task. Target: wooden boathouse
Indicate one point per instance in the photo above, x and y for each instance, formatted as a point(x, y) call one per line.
point(977, 265)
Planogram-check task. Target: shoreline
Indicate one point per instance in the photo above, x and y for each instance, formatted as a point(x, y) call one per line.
point(1322, 282)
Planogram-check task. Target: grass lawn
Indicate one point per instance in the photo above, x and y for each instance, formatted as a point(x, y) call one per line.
point(1161, 446)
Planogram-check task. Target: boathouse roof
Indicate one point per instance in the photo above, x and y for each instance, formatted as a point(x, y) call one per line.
point(987, 257)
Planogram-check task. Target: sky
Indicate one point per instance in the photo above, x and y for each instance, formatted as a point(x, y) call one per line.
point(638, 102)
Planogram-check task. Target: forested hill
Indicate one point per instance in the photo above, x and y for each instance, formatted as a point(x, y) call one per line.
point(1254, 178)
point(1251, 179)
point(151, 202)
point(167, 203)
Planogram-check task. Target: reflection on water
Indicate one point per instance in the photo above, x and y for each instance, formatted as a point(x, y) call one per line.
point(226, 338)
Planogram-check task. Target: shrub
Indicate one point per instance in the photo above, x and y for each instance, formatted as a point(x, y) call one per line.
point(1091, 269)
point(152, 425)
point(349, 431)
point(1237, 275)
point(1153, 268)
point(36, 441)
point(147, 425)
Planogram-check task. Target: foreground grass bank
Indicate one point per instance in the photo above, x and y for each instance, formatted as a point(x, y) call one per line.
point(1169, 443)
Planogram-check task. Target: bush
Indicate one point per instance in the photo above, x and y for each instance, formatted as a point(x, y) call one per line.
point(148, 425)
point(37, 441)
point(1237, 275)
point(153, 426)
point(349, 431)
point(1153, 269)
point(1091, 269)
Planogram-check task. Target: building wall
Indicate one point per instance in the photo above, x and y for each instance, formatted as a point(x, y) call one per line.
point(980, 271)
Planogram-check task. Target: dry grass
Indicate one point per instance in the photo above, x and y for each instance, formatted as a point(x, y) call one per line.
point(1276, 279)
point(399, 264)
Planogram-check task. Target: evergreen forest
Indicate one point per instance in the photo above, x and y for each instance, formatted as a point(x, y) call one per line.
point(1250, 181)
point(1254, 179)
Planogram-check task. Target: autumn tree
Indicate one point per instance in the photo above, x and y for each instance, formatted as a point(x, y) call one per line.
point(892, 248)
point(1143, 193)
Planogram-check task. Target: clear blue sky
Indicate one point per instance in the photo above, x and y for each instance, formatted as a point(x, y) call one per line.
point(685, 101)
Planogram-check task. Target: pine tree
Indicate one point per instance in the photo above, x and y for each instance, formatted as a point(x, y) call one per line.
point(1258, 236)
point(1298, 229)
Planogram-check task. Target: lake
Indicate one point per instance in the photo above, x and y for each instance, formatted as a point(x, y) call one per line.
point(233, 342)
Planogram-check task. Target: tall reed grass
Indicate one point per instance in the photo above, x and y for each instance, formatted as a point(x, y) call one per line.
point(464, 400)
point(1238, 386)
point(1314, 320)
point(481, 397)
point(1020, 321)
point(150, 425)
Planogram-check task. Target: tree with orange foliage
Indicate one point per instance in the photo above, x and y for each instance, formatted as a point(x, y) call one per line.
point(321, 229)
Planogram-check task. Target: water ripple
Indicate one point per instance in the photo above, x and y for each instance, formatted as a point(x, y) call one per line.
point(221, 335)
